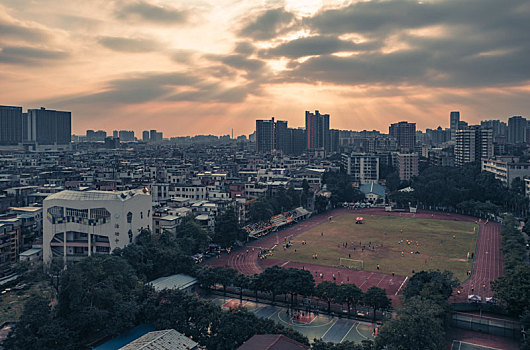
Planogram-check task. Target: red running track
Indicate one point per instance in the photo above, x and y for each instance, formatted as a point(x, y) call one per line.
point(488, 264)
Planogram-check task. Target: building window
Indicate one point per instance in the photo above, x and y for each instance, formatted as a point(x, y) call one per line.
point(99, 213)
point(56, 212)
point(130, 236)
point(148, 212)
point(129, 217)
point(78, 213)
point(141, 215)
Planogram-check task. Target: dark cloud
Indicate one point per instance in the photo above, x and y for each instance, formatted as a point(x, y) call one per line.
point(244, 48)
point(18, 32)
point(397, 67)
point(372, 17)
point(268, 24)
point(253, 69)
point(137, 89)
point(183, 56)
point(477, 43)
point(415, 67)
point(315, 45)
point(147, 87)
point(242, 62)
point(23, 55)
point(213, 93)
point(152, 13)
point(129, 44)
point(70, 22)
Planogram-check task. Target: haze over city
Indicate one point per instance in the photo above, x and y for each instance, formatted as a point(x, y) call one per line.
point(206, 66)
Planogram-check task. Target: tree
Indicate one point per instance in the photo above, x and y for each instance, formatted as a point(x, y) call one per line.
point(321, 203)
point(241, 281)
point(298, 282)
point(254, 283)
point(517, 186)
point(98, 293)
point(434, 285)
point(351, 294)
point(327, 291)
point(273, 280)
point(417, 326)
point(345, 345)
point(260, 210)
point(340, 186)
point(54, 271)
point(181, 311)
point(37, 328)
point(191, 237)
point(376, 298)
point(225, 276)
point(207, 277)
point(514, 289)
point(155, 256)
point(227, 229)
point(411, 333)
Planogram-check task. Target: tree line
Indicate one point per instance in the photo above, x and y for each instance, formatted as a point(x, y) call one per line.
point(292, 283)
point(513, 289)
point(466, 188)
point(265, 207)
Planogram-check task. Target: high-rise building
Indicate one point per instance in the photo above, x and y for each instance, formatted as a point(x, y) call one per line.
point(145, 136)
point(126, 135)
point(281, 136)
point(272, 135)
point(47, 127)
point(297, 141)
point(438, 135)
point(10, 125)
point(499, 128)
point(92, 135)
point(363, 168)
point(317, 130)
point(405, 135)
point(473, 144)
point(78, 224)
point(454, 119)
point(10, 233)
point(517, 129)
point(407, 165)
point(115, 134)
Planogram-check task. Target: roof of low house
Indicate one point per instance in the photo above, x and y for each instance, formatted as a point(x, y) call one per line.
point(373, 188)
point(177, 281)
point(272, 342)
point(161, 340)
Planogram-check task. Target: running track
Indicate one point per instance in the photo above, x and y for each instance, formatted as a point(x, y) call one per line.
point(488, 265)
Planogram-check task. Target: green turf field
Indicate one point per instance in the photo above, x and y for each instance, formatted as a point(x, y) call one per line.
point(432, 238)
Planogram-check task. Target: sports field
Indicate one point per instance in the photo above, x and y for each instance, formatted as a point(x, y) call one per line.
point(397, 244)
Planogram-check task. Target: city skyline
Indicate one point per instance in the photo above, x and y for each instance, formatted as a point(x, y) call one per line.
point(204, 67)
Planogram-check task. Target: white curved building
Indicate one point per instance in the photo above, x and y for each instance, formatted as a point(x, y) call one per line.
point(78, 224)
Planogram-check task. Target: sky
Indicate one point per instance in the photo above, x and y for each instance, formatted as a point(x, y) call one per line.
point(207, 66)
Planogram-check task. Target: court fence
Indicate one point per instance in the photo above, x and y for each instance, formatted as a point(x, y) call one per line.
point(486, 324)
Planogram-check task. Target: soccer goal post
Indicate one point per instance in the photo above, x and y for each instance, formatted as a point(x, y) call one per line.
point(351, 263)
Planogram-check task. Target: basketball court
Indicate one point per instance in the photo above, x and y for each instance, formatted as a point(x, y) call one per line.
point(312, 325)
point(460, 345)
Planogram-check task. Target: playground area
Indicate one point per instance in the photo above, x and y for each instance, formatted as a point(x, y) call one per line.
point(312, 325)
point(388, 244)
